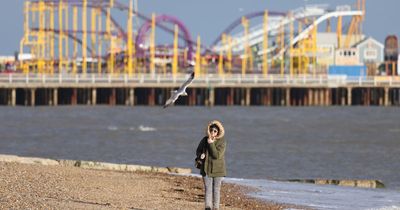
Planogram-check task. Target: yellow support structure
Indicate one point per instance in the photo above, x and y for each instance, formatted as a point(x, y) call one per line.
point(291, 45)
point(229, 55)
point(52, 39)
point(300, 50)
point(99, 46)
point(314, 47)
point(152, 44)
point(197, 67)
point(66, 12)
point(245, 24)
point(339, 32)
point(60, 37)
point(93, 36)
point(282, 39)
point(111, 37)
point(265, 44)
point(175, 58)
point(221, 56)
point(129, 65)
point(41, 39)
point(26, 35)
point(84, 37)
point(75, 28)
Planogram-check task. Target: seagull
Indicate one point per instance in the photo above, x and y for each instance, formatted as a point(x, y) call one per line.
point(180, 92)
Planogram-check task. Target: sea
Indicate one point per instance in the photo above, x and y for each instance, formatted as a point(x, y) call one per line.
point(263, 143)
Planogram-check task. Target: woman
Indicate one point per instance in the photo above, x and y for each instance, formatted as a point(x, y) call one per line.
point(212, 149)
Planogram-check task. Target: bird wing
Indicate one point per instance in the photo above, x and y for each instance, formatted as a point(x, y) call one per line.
point(171, 99)
point(187, 83)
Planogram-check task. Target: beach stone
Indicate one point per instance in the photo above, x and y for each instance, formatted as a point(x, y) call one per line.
point(67, 162)
point(9, 158)
point(28, 160)
point(160, 169)
point(101, 165)
point(133, 168)
point(179, 170)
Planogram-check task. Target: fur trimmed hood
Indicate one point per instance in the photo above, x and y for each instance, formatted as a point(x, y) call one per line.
point(221, 132)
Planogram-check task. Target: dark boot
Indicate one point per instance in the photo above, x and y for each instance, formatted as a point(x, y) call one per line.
point(208, 208)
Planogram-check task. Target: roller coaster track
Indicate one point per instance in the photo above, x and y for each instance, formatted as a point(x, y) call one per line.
point(256, 33)
point(102, 5)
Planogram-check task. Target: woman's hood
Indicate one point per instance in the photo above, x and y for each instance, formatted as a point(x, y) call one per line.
point(221, 132)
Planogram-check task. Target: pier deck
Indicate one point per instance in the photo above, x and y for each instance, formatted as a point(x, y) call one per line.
point(211, 89)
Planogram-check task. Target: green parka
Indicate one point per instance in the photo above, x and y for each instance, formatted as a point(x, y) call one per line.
point(214, 165)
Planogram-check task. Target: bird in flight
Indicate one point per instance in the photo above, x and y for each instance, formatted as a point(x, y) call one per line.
point(180, 92)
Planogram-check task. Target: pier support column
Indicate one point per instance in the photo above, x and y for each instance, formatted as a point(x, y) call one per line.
point(74, 96)
point(287, 95)
point(321, 97)
point(13, 97)
point(131, 96)
point(349, 96)
point(33, 97)
point(94, 96)
point(55, 97)
point(342, 97)
point(230, 98)
point(192, 98)
point(211, 97)
point(368, 98)
point(316, 97)
point(327, 97)
point(113, 97)
point(248, 96)
point(386, 97)
point(310, 97)
point(269, 97)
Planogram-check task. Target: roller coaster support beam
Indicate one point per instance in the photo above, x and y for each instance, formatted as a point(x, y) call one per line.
point(291, 46)
point(245, 24)
point(197, 67)
point(60, 36)
point(152, 44)
point(265, 44)
point(129, 63)
point(175, 58)
point(84, 37)
point(75, 28)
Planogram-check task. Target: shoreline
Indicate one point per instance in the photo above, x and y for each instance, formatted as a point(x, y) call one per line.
point(44, 184)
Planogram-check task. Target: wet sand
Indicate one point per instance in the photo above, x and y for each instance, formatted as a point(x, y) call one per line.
point(34, 186)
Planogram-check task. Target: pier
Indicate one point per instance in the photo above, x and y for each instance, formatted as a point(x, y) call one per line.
point(206, 90)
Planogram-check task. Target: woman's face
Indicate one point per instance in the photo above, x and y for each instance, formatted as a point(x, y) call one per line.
point(213, 132)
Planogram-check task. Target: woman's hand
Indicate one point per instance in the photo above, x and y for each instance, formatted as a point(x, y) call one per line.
point(211, 140)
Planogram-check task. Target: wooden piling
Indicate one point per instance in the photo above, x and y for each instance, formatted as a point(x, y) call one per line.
point(349, 96)
point(248, 96)
point(13, 97)
point(33, 97)
point(94, 96)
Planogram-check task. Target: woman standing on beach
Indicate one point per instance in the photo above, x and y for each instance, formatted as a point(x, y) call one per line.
point(212, 150)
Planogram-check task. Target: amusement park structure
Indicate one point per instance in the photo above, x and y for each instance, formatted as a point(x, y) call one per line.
point(84, 36)
point(93, 52)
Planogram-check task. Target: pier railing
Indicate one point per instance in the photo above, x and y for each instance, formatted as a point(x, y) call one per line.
point(209, 80)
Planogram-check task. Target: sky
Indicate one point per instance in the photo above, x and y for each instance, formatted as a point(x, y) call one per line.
point(208, 18)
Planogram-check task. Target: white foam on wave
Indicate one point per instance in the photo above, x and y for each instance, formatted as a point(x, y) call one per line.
point(146, 128)
point(388, 208)
point(112, 128)
point(322, 196)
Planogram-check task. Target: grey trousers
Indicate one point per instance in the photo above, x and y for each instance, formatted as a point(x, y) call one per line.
point(212, 186)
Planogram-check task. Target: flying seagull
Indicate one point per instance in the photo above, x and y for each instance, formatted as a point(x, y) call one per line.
point(180, 92)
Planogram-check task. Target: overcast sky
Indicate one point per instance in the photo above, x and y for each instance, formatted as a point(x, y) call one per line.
point(208, 18)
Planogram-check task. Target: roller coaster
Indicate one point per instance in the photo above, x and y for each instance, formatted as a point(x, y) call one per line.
point(85, 36)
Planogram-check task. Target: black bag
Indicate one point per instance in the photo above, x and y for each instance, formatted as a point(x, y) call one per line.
point(198, 162)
